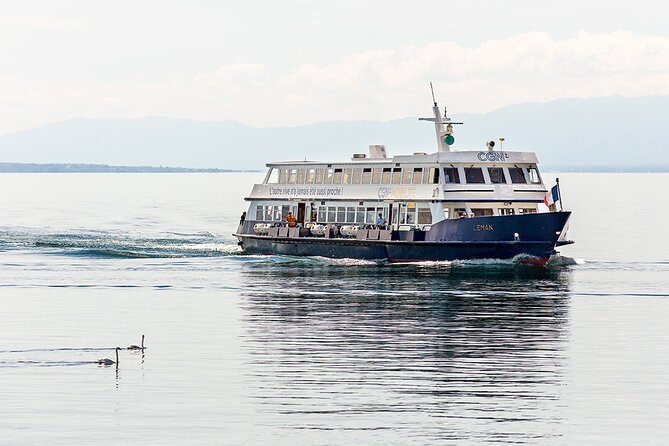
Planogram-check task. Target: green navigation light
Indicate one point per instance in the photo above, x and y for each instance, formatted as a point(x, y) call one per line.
point(449, 140)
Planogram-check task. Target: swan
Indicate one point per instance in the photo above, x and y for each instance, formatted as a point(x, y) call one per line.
point(107, 361)
point(137, 347)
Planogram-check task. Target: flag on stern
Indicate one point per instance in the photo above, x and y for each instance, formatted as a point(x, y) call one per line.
point(552, 196)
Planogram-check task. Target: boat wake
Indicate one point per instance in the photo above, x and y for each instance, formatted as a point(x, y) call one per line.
point(111, 245)
point(102, 244)
point(519, 260)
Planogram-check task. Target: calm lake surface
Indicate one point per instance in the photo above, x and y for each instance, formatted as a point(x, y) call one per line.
point(274, 350)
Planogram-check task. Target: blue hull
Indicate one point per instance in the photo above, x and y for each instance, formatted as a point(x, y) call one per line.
point(504, 237)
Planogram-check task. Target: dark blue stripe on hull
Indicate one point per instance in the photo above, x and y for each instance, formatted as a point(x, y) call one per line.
point(465, 251)
point(338, 248)
point(471, 238)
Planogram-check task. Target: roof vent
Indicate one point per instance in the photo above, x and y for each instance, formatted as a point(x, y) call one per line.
point(377, 151)
point(359, 156)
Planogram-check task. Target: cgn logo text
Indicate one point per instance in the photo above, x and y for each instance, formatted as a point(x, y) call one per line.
point(492, 156)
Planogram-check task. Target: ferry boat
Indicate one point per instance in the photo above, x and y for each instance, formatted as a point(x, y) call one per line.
point(447, 205)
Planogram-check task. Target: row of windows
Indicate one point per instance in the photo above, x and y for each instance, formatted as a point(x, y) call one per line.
point(484, 212)
point(273, 213)
point(376, 175)
point(349, 214)
point(404, 214)
point(406, 175)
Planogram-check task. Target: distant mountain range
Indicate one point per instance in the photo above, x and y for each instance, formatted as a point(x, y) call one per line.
point(609, 133)
point(98, 168)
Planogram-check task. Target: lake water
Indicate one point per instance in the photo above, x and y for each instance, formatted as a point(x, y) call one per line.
point(271, 350)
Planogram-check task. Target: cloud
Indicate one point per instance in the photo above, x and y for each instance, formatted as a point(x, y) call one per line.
point(375, 85)
point(526, 67)
point(14, 22)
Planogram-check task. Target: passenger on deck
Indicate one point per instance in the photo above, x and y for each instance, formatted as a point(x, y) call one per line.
point(290, 219)
point(472, 215)
point(381, 222)
point(463, 215)
point(242, 218)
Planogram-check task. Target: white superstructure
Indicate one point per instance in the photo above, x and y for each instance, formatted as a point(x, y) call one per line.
point(409, 191)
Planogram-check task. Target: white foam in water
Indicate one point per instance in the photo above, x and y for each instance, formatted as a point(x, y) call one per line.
point(427, 263)
point(349, 262)
point(203, 247)
point(559, 260)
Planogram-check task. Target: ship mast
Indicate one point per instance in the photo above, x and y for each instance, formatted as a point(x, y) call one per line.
point(444, 134)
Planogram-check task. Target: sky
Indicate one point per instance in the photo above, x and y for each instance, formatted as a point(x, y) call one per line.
point(292, 62)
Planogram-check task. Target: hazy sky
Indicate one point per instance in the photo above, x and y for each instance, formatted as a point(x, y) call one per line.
point(289, 62)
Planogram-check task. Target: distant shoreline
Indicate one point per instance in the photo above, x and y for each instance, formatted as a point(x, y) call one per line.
point(606, 169)
point(104, 168)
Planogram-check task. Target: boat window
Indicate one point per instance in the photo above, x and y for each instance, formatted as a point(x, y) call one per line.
point(496, 175)
point(347, 176)
point(397, 175)
point(366, 175)
point(411, 212)
point(447, 213)
point(322, 214)
point(338, 173)
point(300, 176)
point(482, 212)
point(517, 175)
point(527, 211)
point(341, 214)
point(260, 212)
point(424, 216)
point(360, 215)
point(283, 176)
point(277, 213)
point(533, 173)
point(417, 175)
point(506, 211)
point(376, 175)
point(329, 174)
point(451, 175)
point(311, 176)
point(408, 214)
point(459, 213)
point(370, 216)
point(432, 175)
point(285, 209)
point(407, 174)
point(319, 176)
point(357, 174)
point(474, 175)
point(385, 177)
point(350, 214)
point(332, 214)
point(273, 176)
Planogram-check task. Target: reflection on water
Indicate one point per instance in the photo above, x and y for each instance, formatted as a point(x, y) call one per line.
point(418, 352)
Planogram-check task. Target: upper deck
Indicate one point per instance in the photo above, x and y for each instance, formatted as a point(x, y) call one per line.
point(441, 176)
point(446, 175)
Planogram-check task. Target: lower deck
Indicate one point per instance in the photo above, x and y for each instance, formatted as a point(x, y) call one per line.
point(534, 235)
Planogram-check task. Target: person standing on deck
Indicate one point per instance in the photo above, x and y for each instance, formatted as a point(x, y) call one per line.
point(381, 222)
